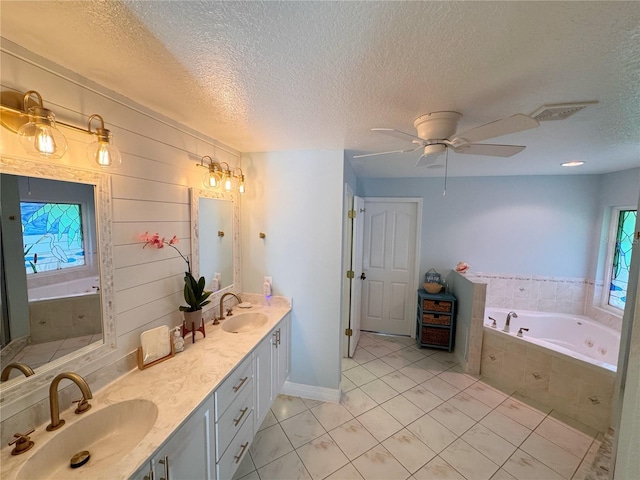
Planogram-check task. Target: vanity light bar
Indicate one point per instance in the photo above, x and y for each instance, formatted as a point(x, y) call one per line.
point(40, 136)
point(220, 174)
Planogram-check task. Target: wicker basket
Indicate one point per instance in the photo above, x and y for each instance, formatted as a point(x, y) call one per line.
point(435, 319)
point(432, 287)
point(435, 336)
point(436, 305)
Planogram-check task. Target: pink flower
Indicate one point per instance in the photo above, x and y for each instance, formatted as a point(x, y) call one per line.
point(158, 242)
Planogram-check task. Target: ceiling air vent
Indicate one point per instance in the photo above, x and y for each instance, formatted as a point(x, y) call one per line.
point(559, 111)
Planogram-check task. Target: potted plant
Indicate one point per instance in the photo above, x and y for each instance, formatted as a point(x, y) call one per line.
point(194, 294)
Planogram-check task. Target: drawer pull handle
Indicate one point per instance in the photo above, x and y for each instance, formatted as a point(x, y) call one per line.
point(239, 386)
point(236, 421)
point(165, 462)
point(244, 447)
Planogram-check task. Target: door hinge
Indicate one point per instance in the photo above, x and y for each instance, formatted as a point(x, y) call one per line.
point(348, 332)
point(350, 274)
point(352, 214)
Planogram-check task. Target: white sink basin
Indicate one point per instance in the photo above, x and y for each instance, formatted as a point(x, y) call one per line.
point(244, 322)
point(108, 434)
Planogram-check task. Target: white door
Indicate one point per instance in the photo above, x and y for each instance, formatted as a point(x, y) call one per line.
point(389, 265)
point(356, 266)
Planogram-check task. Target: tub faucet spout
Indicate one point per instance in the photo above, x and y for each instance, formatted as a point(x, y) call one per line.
point(509, 316)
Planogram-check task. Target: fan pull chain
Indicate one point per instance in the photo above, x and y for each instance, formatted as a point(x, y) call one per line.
point(446, 168)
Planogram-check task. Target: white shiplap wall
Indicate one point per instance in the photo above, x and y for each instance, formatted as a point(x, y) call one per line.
point(150, 191)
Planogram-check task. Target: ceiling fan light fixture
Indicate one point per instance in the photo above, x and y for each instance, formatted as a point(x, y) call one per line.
point(435, 149)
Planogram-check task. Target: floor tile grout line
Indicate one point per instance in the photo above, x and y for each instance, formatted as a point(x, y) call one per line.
point(476, 422)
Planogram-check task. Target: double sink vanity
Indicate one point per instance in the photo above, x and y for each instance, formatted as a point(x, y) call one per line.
point(191, 417)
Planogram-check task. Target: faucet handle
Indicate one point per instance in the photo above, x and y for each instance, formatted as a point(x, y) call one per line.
point(22, 442)
point(494, 324)
point(519, 334)
point(229, 312)
point(83, 405)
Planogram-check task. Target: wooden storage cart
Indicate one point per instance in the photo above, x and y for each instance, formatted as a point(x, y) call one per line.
point(436, 320)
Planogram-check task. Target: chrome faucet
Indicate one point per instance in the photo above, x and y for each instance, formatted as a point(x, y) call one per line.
point(216, 321)
point(509, 315)
point(54, 405)
point(26, 369)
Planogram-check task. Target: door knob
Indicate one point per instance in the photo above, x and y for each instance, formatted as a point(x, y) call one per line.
point(363, 276)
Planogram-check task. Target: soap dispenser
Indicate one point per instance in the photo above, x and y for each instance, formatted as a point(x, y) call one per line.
point(266, 290)
point(178, 341)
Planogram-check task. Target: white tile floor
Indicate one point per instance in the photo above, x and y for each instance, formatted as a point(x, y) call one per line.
point(409, 413)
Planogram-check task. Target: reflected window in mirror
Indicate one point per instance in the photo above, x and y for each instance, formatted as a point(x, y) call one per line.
point(52, 236)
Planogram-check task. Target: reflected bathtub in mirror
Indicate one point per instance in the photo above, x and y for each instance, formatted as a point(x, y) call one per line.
point(58, 272)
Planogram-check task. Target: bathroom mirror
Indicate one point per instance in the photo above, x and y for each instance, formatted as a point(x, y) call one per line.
point(57, 298)
point(214, 238)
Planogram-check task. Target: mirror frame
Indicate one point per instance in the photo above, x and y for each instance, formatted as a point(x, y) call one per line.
point(79, 360)
point(196, 194)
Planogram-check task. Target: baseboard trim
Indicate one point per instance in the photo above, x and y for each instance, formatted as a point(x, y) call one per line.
point(311, 392)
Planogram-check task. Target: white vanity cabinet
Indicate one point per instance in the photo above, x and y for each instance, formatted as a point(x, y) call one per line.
point(234, 418)
point(272, 366)
point(216, 437)
point(187, 453)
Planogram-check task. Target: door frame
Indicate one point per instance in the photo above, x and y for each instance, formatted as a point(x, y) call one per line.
point(418, 249)
point(346, 265)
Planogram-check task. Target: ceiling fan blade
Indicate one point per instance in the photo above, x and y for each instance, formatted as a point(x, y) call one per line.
point(513, 124)
point(386, 153)
point(488, 149)
point(397, 133)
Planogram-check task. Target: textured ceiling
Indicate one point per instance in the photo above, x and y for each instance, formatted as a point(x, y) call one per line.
point(265, 76)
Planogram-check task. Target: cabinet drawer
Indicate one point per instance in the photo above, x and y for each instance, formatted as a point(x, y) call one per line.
point(437, 305)
point(435, 336)
point(436, 319)
point(239, 381)
point(238, 448)
point(233, 419)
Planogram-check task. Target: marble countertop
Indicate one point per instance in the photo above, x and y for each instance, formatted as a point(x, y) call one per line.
point(177, 386)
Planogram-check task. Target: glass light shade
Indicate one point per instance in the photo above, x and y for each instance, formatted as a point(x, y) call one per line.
point(241, 185)
point(228, 185)
point(103, 154)
point(211, 179)
point(40, 136)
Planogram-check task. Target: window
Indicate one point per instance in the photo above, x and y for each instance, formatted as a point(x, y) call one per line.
point(623, 228)
point(52, 236)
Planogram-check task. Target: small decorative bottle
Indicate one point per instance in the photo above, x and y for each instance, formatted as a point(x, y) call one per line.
point(178, 341)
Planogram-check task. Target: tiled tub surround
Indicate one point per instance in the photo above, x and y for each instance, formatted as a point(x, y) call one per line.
point(546, 294)
point(177, 386)
point(576, 388)
point(574, 335)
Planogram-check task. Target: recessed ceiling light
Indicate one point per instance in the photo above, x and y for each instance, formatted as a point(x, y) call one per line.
point(572, 164)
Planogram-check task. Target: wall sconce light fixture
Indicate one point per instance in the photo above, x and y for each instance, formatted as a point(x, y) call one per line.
point(40, 135)
point(101, 151)
point(219, 174)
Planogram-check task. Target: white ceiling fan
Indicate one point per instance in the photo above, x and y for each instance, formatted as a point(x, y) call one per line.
point(437, 131)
